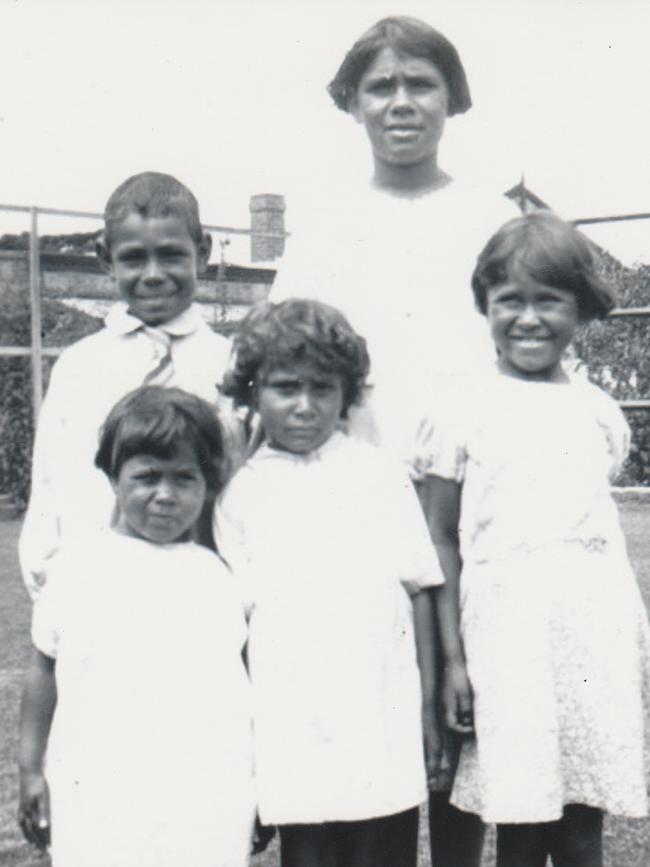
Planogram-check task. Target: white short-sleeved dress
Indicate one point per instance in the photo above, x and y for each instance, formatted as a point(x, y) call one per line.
point(400, 270)
point(555, 631)
point(326, 544)
point(149, 759)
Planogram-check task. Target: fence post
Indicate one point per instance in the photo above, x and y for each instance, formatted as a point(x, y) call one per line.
point(35, 311)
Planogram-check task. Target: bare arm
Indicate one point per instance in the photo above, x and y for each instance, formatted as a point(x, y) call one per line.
point(424, 623)
point(440, 500)
point(36, 712)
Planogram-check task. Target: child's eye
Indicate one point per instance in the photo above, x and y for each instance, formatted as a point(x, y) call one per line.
point(172, 255)
point(147, 477)
point(421, 84)
point(549, 300)
point(134, 258)
point(380, 86)
point(323, 388)
point(285, 388)
point(508, 301)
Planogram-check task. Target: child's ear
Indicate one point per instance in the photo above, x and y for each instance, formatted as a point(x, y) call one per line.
point(104, 254)
point(204, 248)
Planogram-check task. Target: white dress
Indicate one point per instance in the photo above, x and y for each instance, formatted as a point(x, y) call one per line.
point(326, 544)
point(555, 631)
point(149, 759)
point(400, 270)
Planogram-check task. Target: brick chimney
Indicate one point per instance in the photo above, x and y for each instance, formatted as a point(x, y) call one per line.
point(267, 215)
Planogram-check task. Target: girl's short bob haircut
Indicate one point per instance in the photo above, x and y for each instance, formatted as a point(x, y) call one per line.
point(296, 331)
point(542, 247)
point(157, 421)
point(407, 37)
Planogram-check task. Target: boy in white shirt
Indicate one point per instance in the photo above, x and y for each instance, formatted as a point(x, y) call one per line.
point(154, 248)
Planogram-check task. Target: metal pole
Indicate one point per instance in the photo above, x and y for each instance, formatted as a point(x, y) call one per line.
point(35, 309)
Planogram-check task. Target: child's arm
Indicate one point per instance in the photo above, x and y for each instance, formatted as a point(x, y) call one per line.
point(424, 625)
point(36, 712)
point(440, 500)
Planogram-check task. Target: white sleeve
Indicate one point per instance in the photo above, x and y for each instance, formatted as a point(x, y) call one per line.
point(49, 608)
point(439, 447)
point(230, 537)
point(40, 537)
point(418, 563)
point(617, 432)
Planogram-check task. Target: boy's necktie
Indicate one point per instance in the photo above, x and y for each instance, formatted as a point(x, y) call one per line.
point(163, 371)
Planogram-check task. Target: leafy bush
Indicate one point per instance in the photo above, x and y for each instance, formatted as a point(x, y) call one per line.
point(61, 326)
point(616, 354)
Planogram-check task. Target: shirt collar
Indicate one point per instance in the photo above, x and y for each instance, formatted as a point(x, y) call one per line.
point(121, 322)
point(265, 452)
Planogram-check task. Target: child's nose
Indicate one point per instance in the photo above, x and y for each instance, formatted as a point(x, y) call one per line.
point(304, 401)
point(529, 315)
point(152, 272)
point(165, 492)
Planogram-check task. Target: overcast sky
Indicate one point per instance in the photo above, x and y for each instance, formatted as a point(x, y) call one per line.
point(231, 98)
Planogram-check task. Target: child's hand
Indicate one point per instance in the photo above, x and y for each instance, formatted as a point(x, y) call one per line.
point(262, 836)
point(457, 699)
point(433, 751)
point(34, 808)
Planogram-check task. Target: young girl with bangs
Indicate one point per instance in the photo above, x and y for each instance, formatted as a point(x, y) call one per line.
point(554, 630)
point(137, 664)
point(327, 536)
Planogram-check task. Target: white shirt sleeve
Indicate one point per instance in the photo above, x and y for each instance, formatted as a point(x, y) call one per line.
point(49, 607)
point(40, 537)
point(418, 563)
point(230, 537)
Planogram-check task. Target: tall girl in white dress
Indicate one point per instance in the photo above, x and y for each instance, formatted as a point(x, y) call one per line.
point(394, 252)
point(137, 665)
point(327, 535)
point(554, 630)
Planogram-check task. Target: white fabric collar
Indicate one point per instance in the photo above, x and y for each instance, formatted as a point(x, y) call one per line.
point(333, 444)
point(121, 322)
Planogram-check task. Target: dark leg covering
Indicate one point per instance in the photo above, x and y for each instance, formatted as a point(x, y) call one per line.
point(456, 837)
point(388, 841)
point(577, 839)
point(524, 845)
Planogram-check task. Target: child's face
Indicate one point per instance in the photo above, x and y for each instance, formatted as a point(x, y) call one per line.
point(160, 500)
point(532, 325)
point(155, 263)
point(300, 406)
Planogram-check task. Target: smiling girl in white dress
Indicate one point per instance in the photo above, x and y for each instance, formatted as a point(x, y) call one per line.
point(327, 535)
point(554, 629)
point(137, 665)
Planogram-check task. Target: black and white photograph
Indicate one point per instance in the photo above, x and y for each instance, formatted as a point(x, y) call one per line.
point(324, 433)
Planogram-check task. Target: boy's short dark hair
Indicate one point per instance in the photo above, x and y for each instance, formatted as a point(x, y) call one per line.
point(296, 331)
point(549, 251)
point(152, 194)
point(406, 36)
point(157, 421)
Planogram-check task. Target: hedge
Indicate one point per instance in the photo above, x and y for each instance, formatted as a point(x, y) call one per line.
point(61, 326)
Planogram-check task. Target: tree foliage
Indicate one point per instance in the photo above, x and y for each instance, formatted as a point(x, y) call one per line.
point(615, 352)
point(61, 325)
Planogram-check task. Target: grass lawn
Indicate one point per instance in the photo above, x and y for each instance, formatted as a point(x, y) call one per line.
point(627, 843)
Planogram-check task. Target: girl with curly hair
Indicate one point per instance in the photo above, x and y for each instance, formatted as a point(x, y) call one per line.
point(326, 534)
